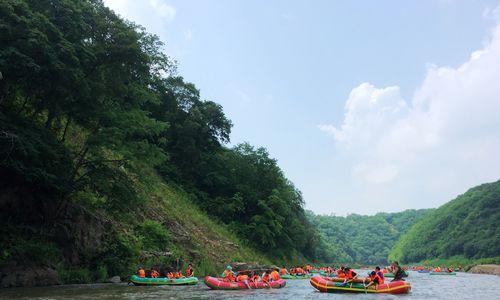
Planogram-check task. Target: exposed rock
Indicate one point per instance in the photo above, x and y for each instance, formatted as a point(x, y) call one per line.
point(13, 275)
point(114, 279)
point(485, 269)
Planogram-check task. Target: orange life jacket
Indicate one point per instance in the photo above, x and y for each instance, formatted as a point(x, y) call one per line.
point(283, 271)
point(275, 276)
point(255, 278)
point(340, 274)
point(154, 274)
point(141, 273)
point(228, 276)
point(178, 274)
point(170, 275)
point(376, 277)
point(350, 274)
point(300, 271)
point(242, 277)
point(265, 277)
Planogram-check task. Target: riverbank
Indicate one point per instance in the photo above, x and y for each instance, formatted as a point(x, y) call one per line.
point(486, 269)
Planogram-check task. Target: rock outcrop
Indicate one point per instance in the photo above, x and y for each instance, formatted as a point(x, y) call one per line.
point(485, 269)
point(13, 275)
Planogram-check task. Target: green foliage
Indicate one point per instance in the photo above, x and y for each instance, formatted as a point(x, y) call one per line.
point(154, 235)
point(75, 275)
point(466, 226)
point(28, 250)
point(91, 111)
point(363, 239)
point(121, 253)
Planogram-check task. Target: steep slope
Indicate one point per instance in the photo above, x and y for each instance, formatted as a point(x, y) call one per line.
point(363, 239)
point(47, 241)
point(468, 226)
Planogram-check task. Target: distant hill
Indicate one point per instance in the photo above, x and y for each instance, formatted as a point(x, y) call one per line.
point(467, 226)
point(363, 239)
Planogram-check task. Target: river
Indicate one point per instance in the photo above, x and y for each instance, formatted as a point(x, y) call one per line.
point(424, 286)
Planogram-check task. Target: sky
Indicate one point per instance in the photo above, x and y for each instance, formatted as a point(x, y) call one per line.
point(368, 106)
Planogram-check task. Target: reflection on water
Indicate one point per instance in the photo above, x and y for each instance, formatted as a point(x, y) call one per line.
point(424, 286)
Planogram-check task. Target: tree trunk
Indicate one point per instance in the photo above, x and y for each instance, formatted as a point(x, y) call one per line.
point(65, 130)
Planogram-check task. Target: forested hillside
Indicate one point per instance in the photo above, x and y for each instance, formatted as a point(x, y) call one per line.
point(363, 239)
point(109, 158)
point(467, 227)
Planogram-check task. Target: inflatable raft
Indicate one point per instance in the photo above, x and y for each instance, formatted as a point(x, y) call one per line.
point(288, 276)
point(442, 273)
point(218, 284)
point(136, 280)
point(391, 275)
point(328, 286)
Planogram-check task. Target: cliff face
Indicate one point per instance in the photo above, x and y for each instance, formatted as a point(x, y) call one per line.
point(85, 245)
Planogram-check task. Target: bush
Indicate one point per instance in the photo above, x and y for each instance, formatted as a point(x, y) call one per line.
point(75, 275)
point(154, 236)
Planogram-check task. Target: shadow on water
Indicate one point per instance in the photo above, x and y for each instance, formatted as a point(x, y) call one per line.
point(424, 286)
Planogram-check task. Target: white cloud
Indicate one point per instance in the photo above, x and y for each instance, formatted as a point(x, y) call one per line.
point(128, 8)
point(441, 142)
point(165, 10)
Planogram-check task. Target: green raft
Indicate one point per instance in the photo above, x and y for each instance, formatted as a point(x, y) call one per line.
point(136, 280)
point(442, 273)
point(288, 276)
point(391, 275)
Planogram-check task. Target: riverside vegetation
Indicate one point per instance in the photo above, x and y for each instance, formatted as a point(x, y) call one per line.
point(109, 159)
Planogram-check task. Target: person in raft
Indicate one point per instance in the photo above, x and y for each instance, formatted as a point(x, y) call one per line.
point(341, 272)
point(169, 274)
point(266, 278)
point(242, 277)
point(380, 274)
point(397, 271)
point(154, 273)
point(189, 271)
point(375, 280)
point(299, 271)
point(283, 271)
point(308, 269)
point(275, 276)
point(350, 275)
point(254, 277)
point(178, 274)
point(141, 273)
point(229, 275)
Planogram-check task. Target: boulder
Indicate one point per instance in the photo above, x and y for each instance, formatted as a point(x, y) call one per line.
point(485, 269)
point(14, 275)
point(114, 279)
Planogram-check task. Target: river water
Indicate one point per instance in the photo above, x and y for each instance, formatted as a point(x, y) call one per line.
point(424, 286)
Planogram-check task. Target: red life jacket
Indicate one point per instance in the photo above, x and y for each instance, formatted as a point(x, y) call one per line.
point(376, 277)
point(350, 274)
point(188, 272)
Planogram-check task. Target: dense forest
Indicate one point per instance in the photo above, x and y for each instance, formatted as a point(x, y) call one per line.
point(467, 227)
point(108, 157)
point(363, 239)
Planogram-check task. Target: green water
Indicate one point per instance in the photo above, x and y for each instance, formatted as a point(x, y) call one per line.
point(424, 286)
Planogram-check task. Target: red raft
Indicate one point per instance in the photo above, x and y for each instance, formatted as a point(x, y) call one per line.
point(327, 286)
point(218, 284)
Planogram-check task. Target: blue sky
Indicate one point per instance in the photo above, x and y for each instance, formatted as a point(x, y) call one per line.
point(368, 105)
